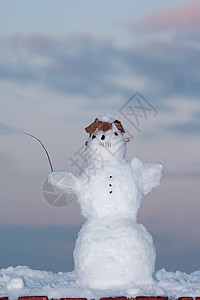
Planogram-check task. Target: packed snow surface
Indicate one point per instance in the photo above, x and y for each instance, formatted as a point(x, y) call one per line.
point(22, 281)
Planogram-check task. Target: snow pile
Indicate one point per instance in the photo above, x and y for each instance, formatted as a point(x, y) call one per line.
point(22, 281)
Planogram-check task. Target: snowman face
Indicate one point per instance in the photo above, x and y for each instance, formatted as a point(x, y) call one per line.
point(106, 146)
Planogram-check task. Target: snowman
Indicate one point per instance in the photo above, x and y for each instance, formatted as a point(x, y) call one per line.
point(112, 250)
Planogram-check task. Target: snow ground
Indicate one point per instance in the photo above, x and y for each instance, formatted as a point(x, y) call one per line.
point(22, 281)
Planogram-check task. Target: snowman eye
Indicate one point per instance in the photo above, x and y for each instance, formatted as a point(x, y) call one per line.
point(93, 137)
point(116, 133)
point(103, 137)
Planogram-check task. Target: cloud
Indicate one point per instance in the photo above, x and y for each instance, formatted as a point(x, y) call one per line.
point(80, 65)
point(7, 130)
point(186, 128)
point(186, 16)
point(75, 64)
point(178, 118)
point(168, 42)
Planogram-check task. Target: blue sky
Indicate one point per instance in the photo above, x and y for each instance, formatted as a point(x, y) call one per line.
point(62, 63)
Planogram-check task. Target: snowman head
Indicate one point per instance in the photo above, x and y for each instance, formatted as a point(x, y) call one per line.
point(106, 140)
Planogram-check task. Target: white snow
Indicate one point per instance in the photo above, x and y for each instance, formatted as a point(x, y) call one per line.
point(15, 283)
point(22, 281)
point(107, 117)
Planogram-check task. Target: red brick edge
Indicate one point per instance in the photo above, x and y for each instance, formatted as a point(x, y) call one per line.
point(33, 298)
point(109, 298)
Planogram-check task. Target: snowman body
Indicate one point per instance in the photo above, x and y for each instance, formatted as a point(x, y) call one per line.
point(108, 193)
point(112, 250)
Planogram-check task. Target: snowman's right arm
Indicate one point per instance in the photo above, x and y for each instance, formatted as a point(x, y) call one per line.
point(65, 181)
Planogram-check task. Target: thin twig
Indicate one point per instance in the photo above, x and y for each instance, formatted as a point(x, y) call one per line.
point(42, 147)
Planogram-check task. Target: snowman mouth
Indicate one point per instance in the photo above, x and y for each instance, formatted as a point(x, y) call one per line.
point(106, 144)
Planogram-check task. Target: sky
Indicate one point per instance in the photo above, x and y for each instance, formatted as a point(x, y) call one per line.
point(63, 63)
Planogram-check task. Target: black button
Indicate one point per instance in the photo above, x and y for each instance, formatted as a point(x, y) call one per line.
point(110, 176)
point(110, 184)
point(110, 192)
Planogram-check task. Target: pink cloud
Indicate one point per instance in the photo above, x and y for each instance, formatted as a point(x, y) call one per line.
point(186, 16)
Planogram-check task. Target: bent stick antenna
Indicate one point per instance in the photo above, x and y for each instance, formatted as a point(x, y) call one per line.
point(42, 147)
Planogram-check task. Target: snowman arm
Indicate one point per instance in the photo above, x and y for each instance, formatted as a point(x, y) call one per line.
point(148, 175)
point(152, 174)
point(65, 181)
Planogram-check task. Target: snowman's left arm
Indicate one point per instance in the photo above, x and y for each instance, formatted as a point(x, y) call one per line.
point(152, 174)
point(149, 175)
